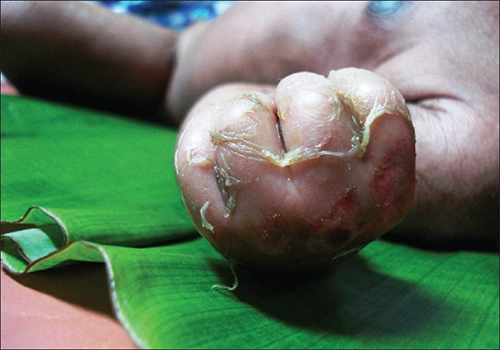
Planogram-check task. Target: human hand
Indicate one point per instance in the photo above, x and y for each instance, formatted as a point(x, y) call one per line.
point(447, 73)
point(295, 178)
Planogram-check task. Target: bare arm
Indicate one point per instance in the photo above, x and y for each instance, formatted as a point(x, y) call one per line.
point(81, 53)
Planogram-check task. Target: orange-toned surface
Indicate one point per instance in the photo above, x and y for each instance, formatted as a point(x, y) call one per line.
point(64, 308)
point(8, 89)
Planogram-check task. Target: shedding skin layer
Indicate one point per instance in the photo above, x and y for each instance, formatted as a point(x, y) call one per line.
point(295, 179)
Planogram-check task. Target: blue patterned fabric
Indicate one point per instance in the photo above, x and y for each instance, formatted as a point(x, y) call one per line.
point(176, 15)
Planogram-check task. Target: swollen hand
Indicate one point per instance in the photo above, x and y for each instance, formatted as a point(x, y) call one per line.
point(296, 177)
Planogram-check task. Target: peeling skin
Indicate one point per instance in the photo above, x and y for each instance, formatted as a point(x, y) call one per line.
point(240, 144)
point(225, 181)
point(302, 177)
point(204, 221)
point(232, 265)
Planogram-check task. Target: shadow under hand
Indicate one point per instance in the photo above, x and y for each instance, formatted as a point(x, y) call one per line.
point(352, 299)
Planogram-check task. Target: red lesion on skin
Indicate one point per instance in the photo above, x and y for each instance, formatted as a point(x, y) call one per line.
point(336, 227)
point(347, 201)
point(390, 174)
point(383, 182)
point(361, 215)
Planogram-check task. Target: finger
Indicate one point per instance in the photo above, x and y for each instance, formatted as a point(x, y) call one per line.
point(315, 121)
point(387, 139)
point(224, 164)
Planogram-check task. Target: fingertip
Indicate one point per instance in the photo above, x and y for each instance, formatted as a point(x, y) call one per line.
point(367, 89)
point(304, 91)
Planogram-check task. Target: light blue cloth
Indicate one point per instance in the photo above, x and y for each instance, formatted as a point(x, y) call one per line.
point(175, 15)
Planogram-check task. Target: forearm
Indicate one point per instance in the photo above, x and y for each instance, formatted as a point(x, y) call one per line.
point(80, 53)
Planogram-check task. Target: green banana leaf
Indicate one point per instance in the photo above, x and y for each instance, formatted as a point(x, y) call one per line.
point(82, 186)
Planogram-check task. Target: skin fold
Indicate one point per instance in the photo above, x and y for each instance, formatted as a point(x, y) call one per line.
point(442, 57)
